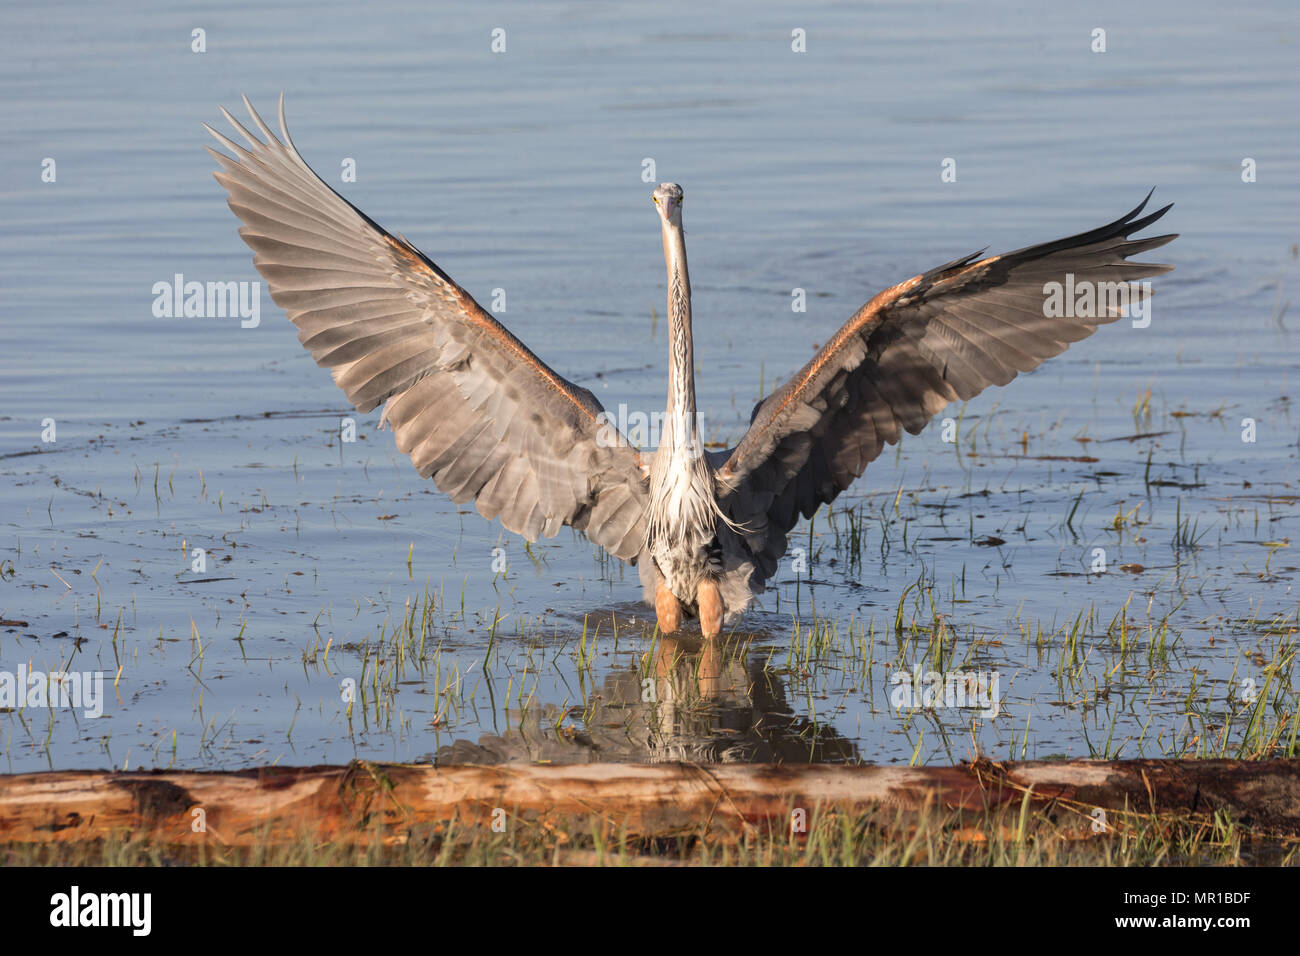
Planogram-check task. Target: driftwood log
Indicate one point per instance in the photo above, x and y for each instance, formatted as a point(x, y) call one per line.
point(360, 801)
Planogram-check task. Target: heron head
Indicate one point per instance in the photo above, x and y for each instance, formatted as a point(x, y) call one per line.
point(668, 200)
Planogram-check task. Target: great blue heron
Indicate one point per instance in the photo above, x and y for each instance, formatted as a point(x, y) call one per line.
point(483, 416)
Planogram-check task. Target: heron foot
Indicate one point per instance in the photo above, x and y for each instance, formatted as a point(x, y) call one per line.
point(667, 609)
point(709, 601)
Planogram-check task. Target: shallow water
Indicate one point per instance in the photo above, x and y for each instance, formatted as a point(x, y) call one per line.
point(330, 561)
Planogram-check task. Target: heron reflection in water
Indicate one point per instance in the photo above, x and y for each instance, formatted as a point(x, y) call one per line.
point(692, 700)
point(490, 422)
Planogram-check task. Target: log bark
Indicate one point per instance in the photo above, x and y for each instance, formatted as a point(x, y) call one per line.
point(364, 801)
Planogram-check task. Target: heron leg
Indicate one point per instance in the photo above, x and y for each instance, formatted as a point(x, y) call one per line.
point(709, 601)
point(667, 609)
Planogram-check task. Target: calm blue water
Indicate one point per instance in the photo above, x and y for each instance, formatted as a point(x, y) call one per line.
point(522, 171)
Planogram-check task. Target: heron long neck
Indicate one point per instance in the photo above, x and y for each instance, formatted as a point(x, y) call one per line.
point(684, 510)
point(680, 428)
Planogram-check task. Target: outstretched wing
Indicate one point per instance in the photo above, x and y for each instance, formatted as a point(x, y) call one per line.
point(945, 335)
point(470, 404)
